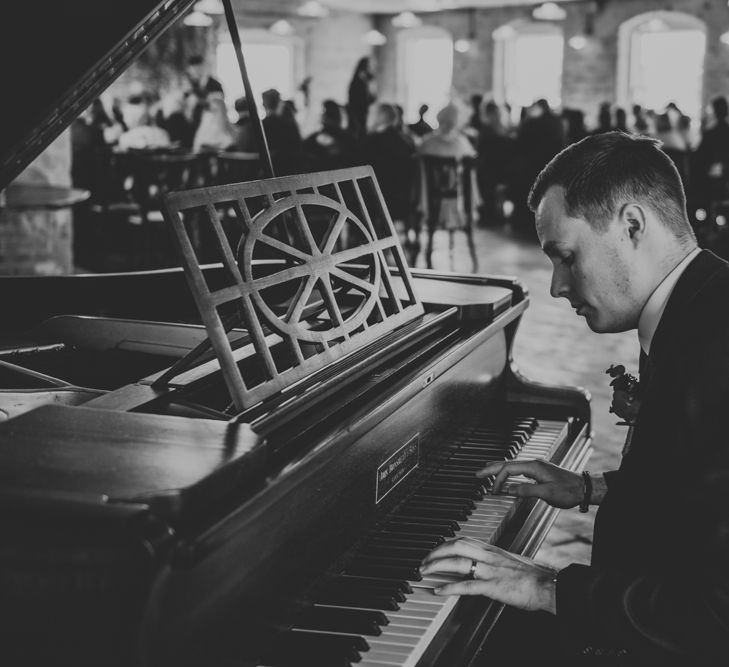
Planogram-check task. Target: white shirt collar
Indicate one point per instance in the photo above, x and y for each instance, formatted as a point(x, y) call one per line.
point(651, 314)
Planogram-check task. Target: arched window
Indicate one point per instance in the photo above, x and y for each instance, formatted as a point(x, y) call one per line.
point(661, 60)
point(270, 61)
point(425, 69)
point(528, 63)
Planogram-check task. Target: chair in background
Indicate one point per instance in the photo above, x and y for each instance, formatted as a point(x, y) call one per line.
point(155, 173)
point(449, 200)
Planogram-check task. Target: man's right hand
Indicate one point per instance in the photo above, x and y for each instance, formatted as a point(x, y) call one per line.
point(558, 487)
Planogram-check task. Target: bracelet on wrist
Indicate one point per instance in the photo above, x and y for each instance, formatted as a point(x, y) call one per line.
point(586, 491)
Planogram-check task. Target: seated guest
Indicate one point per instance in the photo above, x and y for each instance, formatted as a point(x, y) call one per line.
point(421, 127)
point(177, 117)
point(282, 136)
point(448, 140)
point(332, 147)
point(392, 157)
point(142, 132)
point(215, 130)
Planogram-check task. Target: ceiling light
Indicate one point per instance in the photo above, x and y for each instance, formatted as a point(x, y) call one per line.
point(433, 5)
point(656, 25)
point(197, 20)
point(549, 11)
point(505, 32)
point(214, 7)
point(375, 38)
point(578, 42)
point(282, 28)
point(462, 45)
point(406, 20)
point(725, 38)
point(313, 9)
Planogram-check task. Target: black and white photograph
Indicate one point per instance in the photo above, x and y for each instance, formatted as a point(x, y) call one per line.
point(364, 333)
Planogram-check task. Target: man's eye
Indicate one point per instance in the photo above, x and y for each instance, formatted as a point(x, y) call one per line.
point(567, 260)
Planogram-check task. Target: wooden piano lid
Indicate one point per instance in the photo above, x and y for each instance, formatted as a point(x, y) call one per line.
point(59, 451)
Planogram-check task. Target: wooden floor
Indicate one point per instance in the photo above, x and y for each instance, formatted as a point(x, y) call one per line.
point(554, 345)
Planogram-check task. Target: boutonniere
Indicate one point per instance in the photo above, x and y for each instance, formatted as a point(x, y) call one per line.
point(626, 399)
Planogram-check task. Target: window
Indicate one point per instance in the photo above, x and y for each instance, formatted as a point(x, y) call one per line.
point(269, 61)
point(426, 70)
point(661, 60)
point(528, 64)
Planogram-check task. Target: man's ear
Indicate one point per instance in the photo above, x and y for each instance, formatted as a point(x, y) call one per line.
point(633, 221)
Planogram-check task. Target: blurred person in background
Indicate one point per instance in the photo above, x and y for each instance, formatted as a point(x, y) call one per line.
point(142, 132)
point(539, 139)
point(282, 135)
point(448, 139)
point(495, 149)
point(245, 139)
point(215, 130)
point(604, 118)
point(640, 120)
point(177, 116)
point(574, 125)
point(331, 147)
point(710, 176)
point(392, 158)
point(359, 97)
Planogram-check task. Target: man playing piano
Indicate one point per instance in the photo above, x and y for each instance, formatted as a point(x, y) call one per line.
point(611, 216)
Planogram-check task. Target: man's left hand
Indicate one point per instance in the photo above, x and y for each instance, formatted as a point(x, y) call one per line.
point(499, 575)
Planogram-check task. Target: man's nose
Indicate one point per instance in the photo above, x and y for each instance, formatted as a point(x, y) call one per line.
point(559, 286)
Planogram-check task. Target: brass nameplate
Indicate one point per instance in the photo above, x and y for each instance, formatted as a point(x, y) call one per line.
point(397, 467)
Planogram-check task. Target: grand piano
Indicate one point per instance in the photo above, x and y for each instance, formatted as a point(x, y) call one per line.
point(243, 462)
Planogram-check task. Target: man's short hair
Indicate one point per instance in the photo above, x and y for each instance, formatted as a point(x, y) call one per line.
point(603, 171)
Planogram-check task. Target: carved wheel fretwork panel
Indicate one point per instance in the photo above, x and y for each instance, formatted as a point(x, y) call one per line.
point(309, 279)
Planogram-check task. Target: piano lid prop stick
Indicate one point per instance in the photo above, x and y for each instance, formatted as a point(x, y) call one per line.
point(257, 125)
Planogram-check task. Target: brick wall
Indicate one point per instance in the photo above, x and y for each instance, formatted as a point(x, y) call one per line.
point(590, 75)
point(40, 242)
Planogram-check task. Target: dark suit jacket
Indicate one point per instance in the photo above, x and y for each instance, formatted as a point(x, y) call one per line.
point(657, 591)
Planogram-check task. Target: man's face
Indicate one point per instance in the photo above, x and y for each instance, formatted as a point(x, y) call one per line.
point(591, 269)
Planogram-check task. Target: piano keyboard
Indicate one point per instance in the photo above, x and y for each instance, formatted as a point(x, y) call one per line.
point(379, 610)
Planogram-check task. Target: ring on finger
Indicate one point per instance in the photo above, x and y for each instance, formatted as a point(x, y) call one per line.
point(472, 571)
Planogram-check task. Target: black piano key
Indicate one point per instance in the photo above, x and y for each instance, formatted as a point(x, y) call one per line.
point(462, 510)
point(406, 573)
point(452, 513)
point(352, 621)
point(392, 551)
point(388, 585)
point(451, 494)
point(423, 518)
point(329, 649)
point(454, 502)
point(405, 540)
point(396, 561)
point(419, 527)
point(358, 598)
point(453, 516)
point(447, 491)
